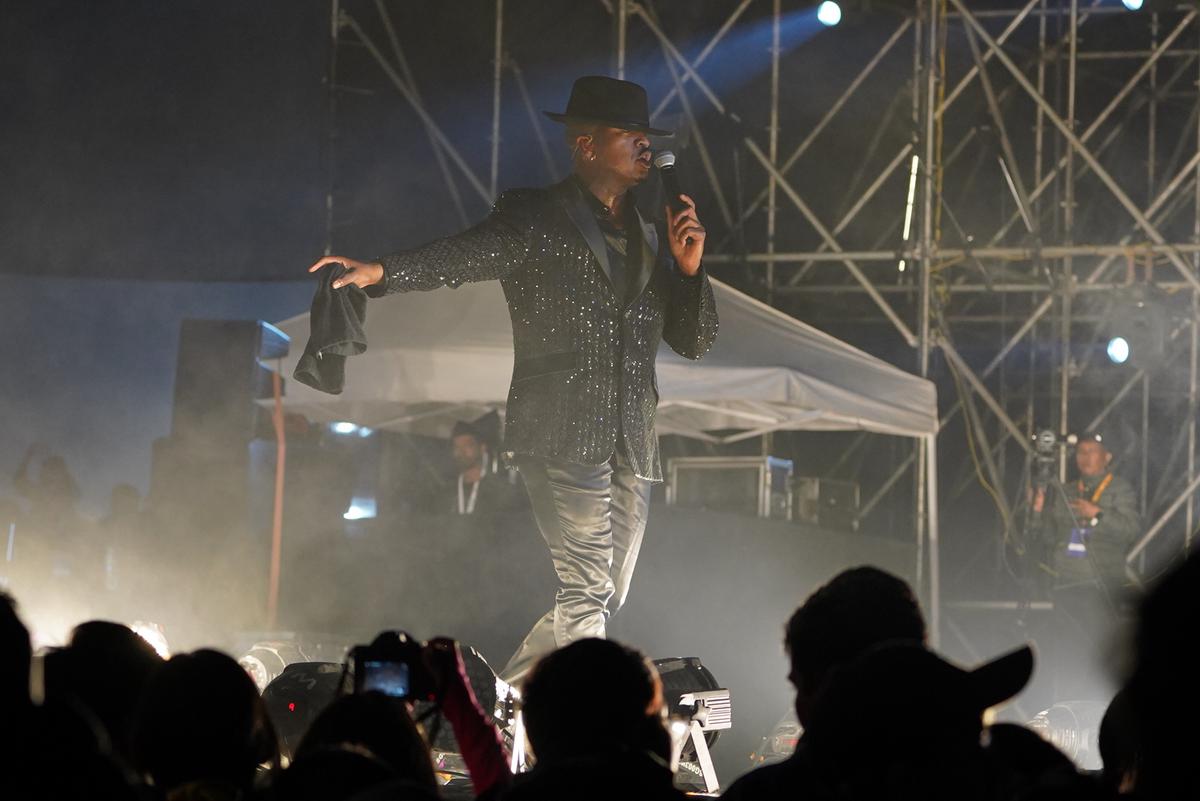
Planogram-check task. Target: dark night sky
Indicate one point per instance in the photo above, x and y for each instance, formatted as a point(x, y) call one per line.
point(179, 140)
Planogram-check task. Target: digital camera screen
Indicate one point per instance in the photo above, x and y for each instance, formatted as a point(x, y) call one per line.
point(389, 678)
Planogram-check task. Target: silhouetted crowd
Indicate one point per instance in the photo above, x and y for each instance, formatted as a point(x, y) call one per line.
point(883, 717)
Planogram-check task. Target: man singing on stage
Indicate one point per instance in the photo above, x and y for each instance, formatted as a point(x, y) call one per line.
point(591, 292)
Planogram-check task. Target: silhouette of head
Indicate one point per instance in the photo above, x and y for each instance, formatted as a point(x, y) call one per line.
point(899, 716)
point(1163, 689)
point(377, 724)
point(1119, 744)
point(106, 667)
point(858, 609)
point(331, 773)
point(15, 655)
point(202, 720)
point(593, 697)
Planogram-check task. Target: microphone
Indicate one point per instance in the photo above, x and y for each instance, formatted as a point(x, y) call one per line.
point(665, 161)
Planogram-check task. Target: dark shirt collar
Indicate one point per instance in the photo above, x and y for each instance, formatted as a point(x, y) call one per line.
point(601, 211)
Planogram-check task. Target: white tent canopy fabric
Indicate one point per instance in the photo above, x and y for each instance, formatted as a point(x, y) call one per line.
point(436, 357)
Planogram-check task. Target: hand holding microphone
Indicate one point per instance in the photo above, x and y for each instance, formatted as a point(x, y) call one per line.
point(665, 161)
point(685, 233)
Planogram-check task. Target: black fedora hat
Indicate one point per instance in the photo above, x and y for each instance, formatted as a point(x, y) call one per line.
point(598, 98)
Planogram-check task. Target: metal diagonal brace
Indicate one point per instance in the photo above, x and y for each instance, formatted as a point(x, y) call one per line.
point(984, 393)
point(708, 48)
point(683, 62)
point(701, 146)
point(398, 52)
point(1095, 274)
point(429, 122)
point(1151, 231)
point(854, 269)
point(1163, 519)
point(1013, 172)
point(1120, 95)
point(829, 115)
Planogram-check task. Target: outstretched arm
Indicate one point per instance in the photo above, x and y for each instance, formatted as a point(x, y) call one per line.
point(480, 742)
point(488, 251)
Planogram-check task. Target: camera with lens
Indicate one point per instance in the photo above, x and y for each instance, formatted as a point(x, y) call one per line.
point(393, 664)
point(1045, 454)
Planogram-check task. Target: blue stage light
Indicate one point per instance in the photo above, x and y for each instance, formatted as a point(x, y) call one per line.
point(1132, 5)
point(829, 13)
point(1118, 350)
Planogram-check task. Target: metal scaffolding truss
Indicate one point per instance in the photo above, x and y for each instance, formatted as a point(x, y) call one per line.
point(1021, 253)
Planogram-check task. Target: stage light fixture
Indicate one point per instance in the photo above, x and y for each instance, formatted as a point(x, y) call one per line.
point(1118, 350)
point(1074, 727)
point(829, 13)
point(1132, 5)
point(296, 696)
point(343, 427)
point(1137, 326)
point(702, 709)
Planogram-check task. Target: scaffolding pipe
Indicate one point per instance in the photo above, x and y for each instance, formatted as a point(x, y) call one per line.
point(396, 80)
point(773, 147)
point(1151, 231)
point(1162, 520)
point(1015, 253)
point(705, 159)
point(535, 119)
point(335, 26)
point(1113, 104)
point(1190, 515)
point(622, 23)
point(929, 445)
point(833, 245)
point(411, 81)
point(497, 78)
point(708, 48)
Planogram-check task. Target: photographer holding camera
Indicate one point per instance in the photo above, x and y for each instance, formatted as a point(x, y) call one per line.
point(1087, 527)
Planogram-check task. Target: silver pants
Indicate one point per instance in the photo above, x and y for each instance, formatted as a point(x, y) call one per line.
point(592, 518)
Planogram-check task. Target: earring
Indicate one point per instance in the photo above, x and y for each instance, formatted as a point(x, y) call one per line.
point(591, 156)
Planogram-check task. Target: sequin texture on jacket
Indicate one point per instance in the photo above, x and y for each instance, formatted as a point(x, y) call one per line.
point(584, 364)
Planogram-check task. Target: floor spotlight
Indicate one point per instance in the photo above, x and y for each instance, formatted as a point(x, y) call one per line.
point(1118, 350)
point(1132, 5)
point(829, 13)
point(702, 709)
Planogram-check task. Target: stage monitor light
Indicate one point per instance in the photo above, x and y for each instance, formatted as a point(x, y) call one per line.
point(829, 13)
point(1074, 727)
point(296, 696)
point(1118, 350)
point(694, 698)
point(1132, 5)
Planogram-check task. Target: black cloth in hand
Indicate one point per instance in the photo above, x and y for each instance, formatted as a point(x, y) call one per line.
point(336, 330)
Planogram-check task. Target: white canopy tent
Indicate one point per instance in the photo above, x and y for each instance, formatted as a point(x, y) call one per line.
point(437, 357)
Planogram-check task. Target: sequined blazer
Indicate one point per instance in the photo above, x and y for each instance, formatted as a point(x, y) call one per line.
point(583, 371)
